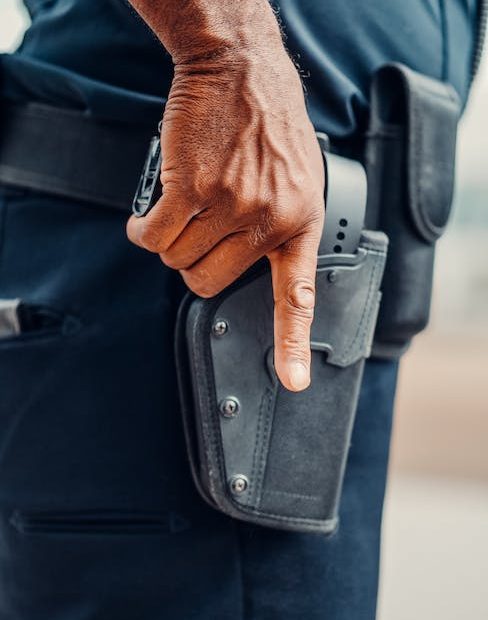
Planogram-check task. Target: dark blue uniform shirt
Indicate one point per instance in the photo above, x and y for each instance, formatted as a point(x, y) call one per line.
point(99, 56)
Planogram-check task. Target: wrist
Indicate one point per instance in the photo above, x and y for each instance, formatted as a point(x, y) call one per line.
point(227, 41)
point(193, 30)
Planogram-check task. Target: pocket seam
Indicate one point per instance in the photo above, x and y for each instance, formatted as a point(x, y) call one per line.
point(92, 523)
point(69, 326)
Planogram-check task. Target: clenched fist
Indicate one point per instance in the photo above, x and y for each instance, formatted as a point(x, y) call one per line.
point(243, 178)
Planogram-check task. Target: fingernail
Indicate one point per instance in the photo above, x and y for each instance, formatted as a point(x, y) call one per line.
point(299, 376)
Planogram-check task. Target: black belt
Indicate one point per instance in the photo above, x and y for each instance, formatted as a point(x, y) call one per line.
point(68, 153)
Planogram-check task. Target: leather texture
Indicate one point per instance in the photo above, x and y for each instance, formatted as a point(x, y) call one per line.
point(290, 448)
point(410, 158)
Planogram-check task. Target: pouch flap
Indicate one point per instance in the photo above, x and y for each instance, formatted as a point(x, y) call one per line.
point(429, 110)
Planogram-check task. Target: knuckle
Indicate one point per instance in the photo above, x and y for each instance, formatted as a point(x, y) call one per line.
point(300, 296)
point(208, 216)
point(226, 186)
point(275, 223)
point(205, 290)
point(174, 262)
point(201, 186)
point(284, 218)
point(315, 218)
point(150, 238)
point(202, 286)
point(294, 348)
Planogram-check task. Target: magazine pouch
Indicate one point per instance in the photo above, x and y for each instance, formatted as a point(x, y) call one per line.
point(410, 155)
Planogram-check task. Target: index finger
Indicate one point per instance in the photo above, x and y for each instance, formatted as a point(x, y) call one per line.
point(293, 269)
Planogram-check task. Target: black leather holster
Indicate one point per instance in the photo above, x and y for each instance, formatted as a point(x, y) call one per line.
point(265, 455)
point(259, 452)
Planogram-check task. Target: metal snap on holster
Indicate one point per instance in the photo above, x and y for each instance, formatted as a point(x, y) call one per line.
point(258, 452)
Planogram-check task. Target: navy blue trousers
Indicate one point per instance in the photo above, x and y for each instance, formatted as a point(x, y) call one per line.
point(99, 519)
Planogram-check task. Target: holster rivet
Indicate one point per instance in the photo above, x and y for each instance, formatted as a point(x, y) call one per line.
point(332, 276)
point(220, 327)
point(238, 484)
point(229, 407)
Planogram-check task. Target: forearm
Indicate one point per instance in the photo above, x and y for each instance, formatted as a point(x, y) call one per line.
point(192, 29)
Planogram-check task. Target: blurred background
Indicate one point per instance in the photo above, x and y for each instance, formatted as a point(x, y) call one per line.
point(435, 539)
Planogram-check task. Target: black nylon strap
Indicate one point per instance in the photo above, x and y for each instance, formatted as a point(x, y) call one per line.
point(66, 152)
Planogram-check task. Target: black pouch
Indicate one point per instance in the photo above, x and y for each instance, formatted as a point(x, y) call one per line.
point(259, 452)
point(410, 154)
